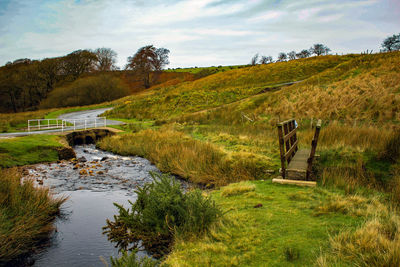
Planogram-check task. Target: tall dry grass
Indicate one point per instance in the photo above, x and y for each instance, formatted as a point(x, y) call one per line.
point(364, 91)
point(335, 134)
point(177, 153)
point(376, 243)
point(26, 215)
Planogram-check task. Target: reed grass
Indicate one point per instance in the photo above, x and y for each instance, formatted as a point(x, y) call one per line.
point(178, 153)
point(26, 215)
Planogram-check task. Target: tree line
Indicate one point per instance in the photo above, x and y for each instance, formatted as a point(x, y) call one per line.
point(316, 49)
point(389, 44)
point(25, 83)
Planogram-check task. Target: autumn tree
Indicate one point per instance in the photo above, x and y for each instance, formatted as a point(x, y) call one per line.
point(319, 49)
point(148, 60)
point(78, 62)
point(106, 59)
point(391, 43)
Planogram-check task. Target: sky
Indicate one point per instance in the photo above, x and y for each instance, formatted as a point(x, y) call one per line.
point(197, 32)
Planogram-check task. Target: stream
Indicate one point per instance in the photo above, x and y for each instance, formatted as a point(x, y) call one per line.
point(93, 183)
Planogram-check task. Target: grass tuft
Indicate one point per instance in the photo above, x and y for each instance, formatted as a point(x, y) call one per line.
point(237, 189)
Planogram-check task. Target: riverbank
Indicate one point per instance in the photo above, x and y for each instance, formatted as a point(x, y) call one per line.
point(27, 213)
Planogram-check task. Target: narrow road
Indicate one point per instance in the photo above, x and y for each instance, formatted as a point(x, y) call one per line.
point(69, 117)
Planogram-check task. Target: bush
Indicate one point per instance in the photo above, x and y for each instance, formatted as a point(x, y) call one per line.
point(162, 211)
point(87, 91)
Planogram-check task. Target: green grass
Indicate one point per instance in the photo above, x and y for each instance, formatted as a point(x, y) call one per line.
point(57, 113)
point(284, 231)
point(26, 150)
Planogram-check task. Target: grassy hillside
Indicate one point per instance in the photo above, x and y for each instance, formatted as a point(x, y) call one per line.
point(365, 89)
point(221, 88)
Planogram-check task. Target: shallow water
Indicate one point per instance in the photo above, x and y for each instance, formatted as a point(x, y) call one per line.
point(107, 178)
point(79, 240)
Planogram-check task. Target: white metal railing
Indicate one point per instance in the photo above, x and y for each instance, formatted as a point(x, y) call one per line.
point(45, 124)
point(63, 124)
point(87, 123)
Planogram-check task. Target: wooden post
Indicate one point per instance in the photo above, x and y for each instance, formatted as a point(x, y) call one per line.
point(313, 148)
point(282, 150)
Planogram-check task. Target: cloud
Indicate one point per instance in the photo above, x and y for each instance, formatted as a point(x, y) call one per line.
point(206, 32)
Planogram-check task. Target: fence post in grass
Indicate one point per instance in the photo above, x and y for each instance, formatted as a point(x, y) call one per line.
point(282, 149)
point(95, 122)
point(29, 126)
point(74, 125)
point(313, 148)
point(39, 123)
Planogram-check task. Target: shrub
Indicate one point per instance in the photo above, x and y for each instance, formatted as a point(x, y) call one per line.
point(161, 211)
point(86, 91)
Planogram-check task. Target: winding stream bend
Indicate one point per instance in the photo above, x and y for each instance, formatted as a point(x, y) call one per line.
point(93, 183)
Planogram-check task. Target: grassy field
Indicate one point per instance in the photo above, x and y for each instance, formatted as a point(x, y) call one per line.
point(275, 225)
point(26, 215)
point(221, 129)
point(27, 150)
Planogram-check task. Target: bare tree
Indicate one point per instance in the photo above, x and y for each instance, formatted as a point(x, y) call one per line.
point(146, 61)
point(292, 55)
point(282, 57)
point(303, 54)
point(391, 43)
point(266, 60)
point(106, 59)
point(319, 49)
point(254, 59)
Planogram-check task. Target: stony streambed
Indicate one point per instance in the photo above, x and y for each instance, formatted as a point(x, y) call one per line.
point(93, 182)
